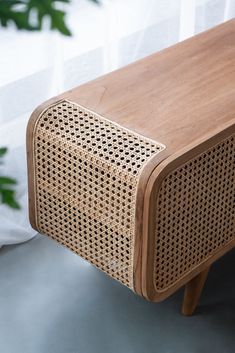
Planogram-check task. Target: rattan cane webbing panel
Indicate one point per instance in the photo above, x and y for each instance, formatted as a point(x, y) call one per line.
point(86, 171)
point(195, 213)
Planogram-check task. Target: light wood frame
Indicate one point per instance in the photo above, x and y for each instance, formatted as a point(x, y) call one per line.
point(161, 109)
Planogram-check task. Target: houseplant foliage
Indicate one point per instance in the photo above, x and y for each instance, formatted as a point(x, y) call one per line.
point(29, 15)
point(20, 13)
point(7, 192)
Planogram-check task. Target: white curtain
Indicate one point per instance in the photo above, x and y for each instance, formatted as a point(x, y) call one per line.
point(36, 66)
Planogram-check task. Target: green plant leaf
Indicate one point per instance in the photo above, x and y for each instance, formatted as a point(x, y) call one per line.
point(3, 151)
point(7, 181)
point(7, 195)
point(19, 11)
point(11, 12)
point(47, 8)
point(8, 198)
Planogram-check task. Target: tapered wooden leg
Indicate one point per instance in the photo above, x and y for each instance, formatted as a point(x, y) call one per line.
point(192, 292)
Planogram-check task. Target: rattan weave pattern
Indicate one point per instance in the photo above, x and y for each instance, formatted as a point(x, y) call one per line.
point(86, 171)
point(195, 213)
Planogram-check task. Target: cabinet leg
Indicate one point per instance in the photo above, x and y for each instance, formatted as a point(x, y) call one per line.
point(192, 292)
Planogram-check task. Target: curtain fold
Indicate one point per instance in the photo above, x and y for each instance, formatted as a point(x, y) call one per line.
point(229, 10)
point(187, 19)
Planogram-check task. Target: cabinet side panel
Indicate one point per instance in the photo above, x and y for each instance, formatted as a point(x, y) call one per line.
point(86, 172)
point(192, 216)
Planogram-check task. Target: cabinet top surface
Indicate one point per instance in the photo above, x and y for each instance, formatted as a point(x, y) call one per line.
point(175, 96)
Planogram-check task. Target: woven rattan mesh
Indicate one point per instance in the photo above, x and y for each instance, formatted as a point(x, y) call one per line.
point(195, 213)
point(86, 174)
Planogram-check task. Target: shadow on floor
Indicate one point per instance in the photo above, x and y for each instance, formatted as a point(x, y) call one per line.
point(53, 301)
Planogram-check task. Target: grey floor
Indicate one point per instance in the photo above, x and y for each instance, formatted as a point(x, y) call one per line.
point(51, 301)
